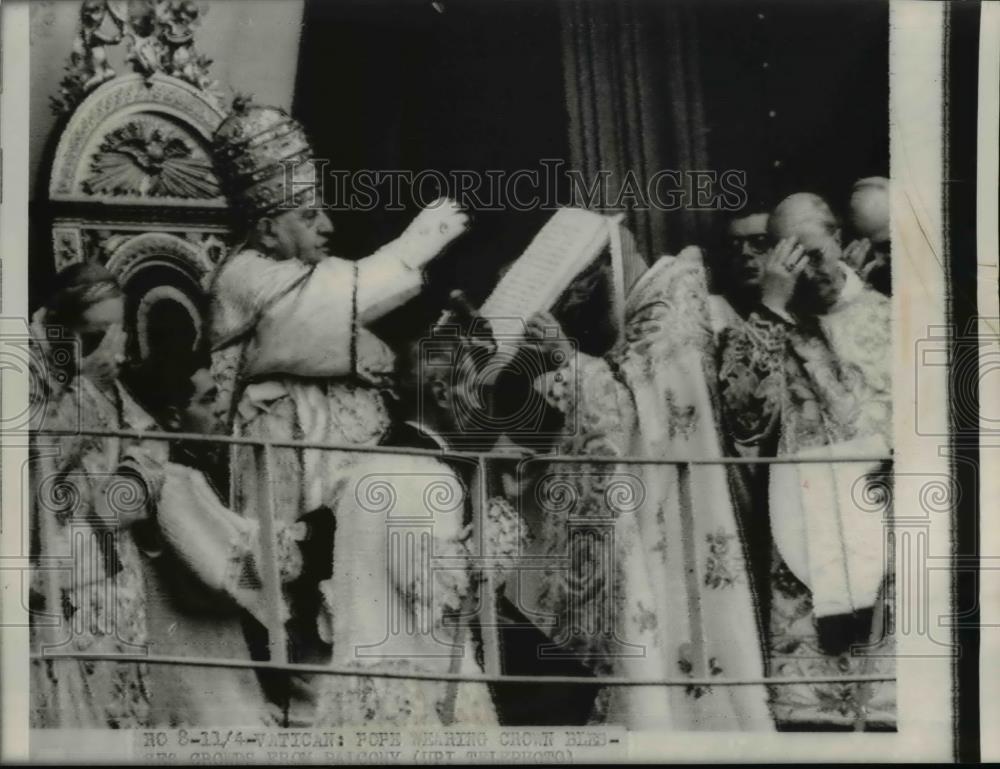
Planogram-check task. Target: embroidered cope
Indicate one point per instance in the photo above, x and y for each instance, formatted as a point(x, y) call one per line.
point(821, 387)
point(630, 534)
point(129, 588)
point(88, 574)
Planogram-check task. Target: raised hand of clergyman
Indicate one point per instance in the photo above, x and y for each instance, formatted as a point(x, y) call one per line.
point(856, 253)
point(433, 229)
point(545, 332)
point(878, 261)
point(782, 267)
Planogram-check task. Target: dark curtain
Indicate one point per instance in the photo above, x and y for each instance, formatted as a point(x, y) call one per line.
point(795, 95)
point(397, 84)
point(792, 93)
point(635, 100)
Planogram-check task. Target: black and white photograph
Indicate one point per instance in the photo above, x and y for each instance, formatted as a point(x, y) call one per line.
point(498, 381)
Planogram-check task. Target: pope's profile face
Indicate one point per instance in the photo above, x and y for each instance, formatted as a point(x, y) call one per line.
point(303, 233)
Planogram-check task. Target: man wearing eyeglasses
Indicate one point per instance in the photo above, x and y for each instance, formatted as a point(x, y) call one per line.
point(809, 375)
point(746, 245)
point(737, 270)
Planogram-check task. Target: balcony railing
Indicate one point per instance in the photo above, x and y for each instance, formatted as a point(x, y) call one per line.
point(270, 576)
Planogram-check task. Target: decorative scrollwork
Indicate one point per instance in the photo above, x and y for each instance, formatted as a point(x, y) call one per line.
point(624, 493)
point(67, 247)
point(162, 100)
point(148, 158)
point(159, 38)
point(60, 496)
point(132, 254)
point(557, 494)
point(939, 495)
point(126, 496)
point(100, 26)
point(873, 492)
point(374, 494)
point(213, 247)
point(443, 496)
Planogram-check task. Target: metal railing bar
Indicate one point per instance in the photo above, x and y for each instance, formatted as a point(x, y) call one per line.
point(493, 674)
point(208, 662)
point(692, 576)
point(489, 625)
point(277, 640)
point(576, 459)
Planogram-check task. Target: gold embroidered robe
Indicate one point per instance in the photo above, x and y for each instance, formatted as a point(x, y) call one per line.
point(822, 387)
point(627, 604)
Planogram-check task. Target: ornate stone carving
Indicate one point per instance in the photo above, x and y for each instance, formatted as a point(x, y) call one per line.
point(88, 62)
point(67, 247)
point(100, 244)
point(159, 96)
point(149, 158)
point(137, 142)
point(159, 38)
point(146, 304)
point(161, 247)
point(214, 248)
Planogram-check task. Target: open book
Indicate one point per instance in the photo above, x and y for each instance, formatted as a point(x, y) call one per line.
point(568, 243)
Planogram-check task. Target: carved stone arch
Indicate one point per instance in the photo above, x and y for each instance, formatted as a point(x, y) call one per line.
point(132, 185)
point(183, 269)
point(155, 130)
point(151, 299)
point(137, 252)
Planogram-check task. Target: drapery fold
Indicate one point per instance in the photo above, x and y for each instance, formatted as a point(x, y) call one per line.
point(670, 572)
point(635, 107)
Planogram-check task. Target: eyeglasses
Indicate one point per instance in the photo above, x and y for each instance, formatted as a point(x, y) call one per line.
point(757, 243)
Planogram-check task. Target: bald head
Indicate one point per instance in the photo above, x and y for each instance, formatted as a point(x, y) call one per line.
point(799, 209)
point(809, 220)
point(870, 208)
